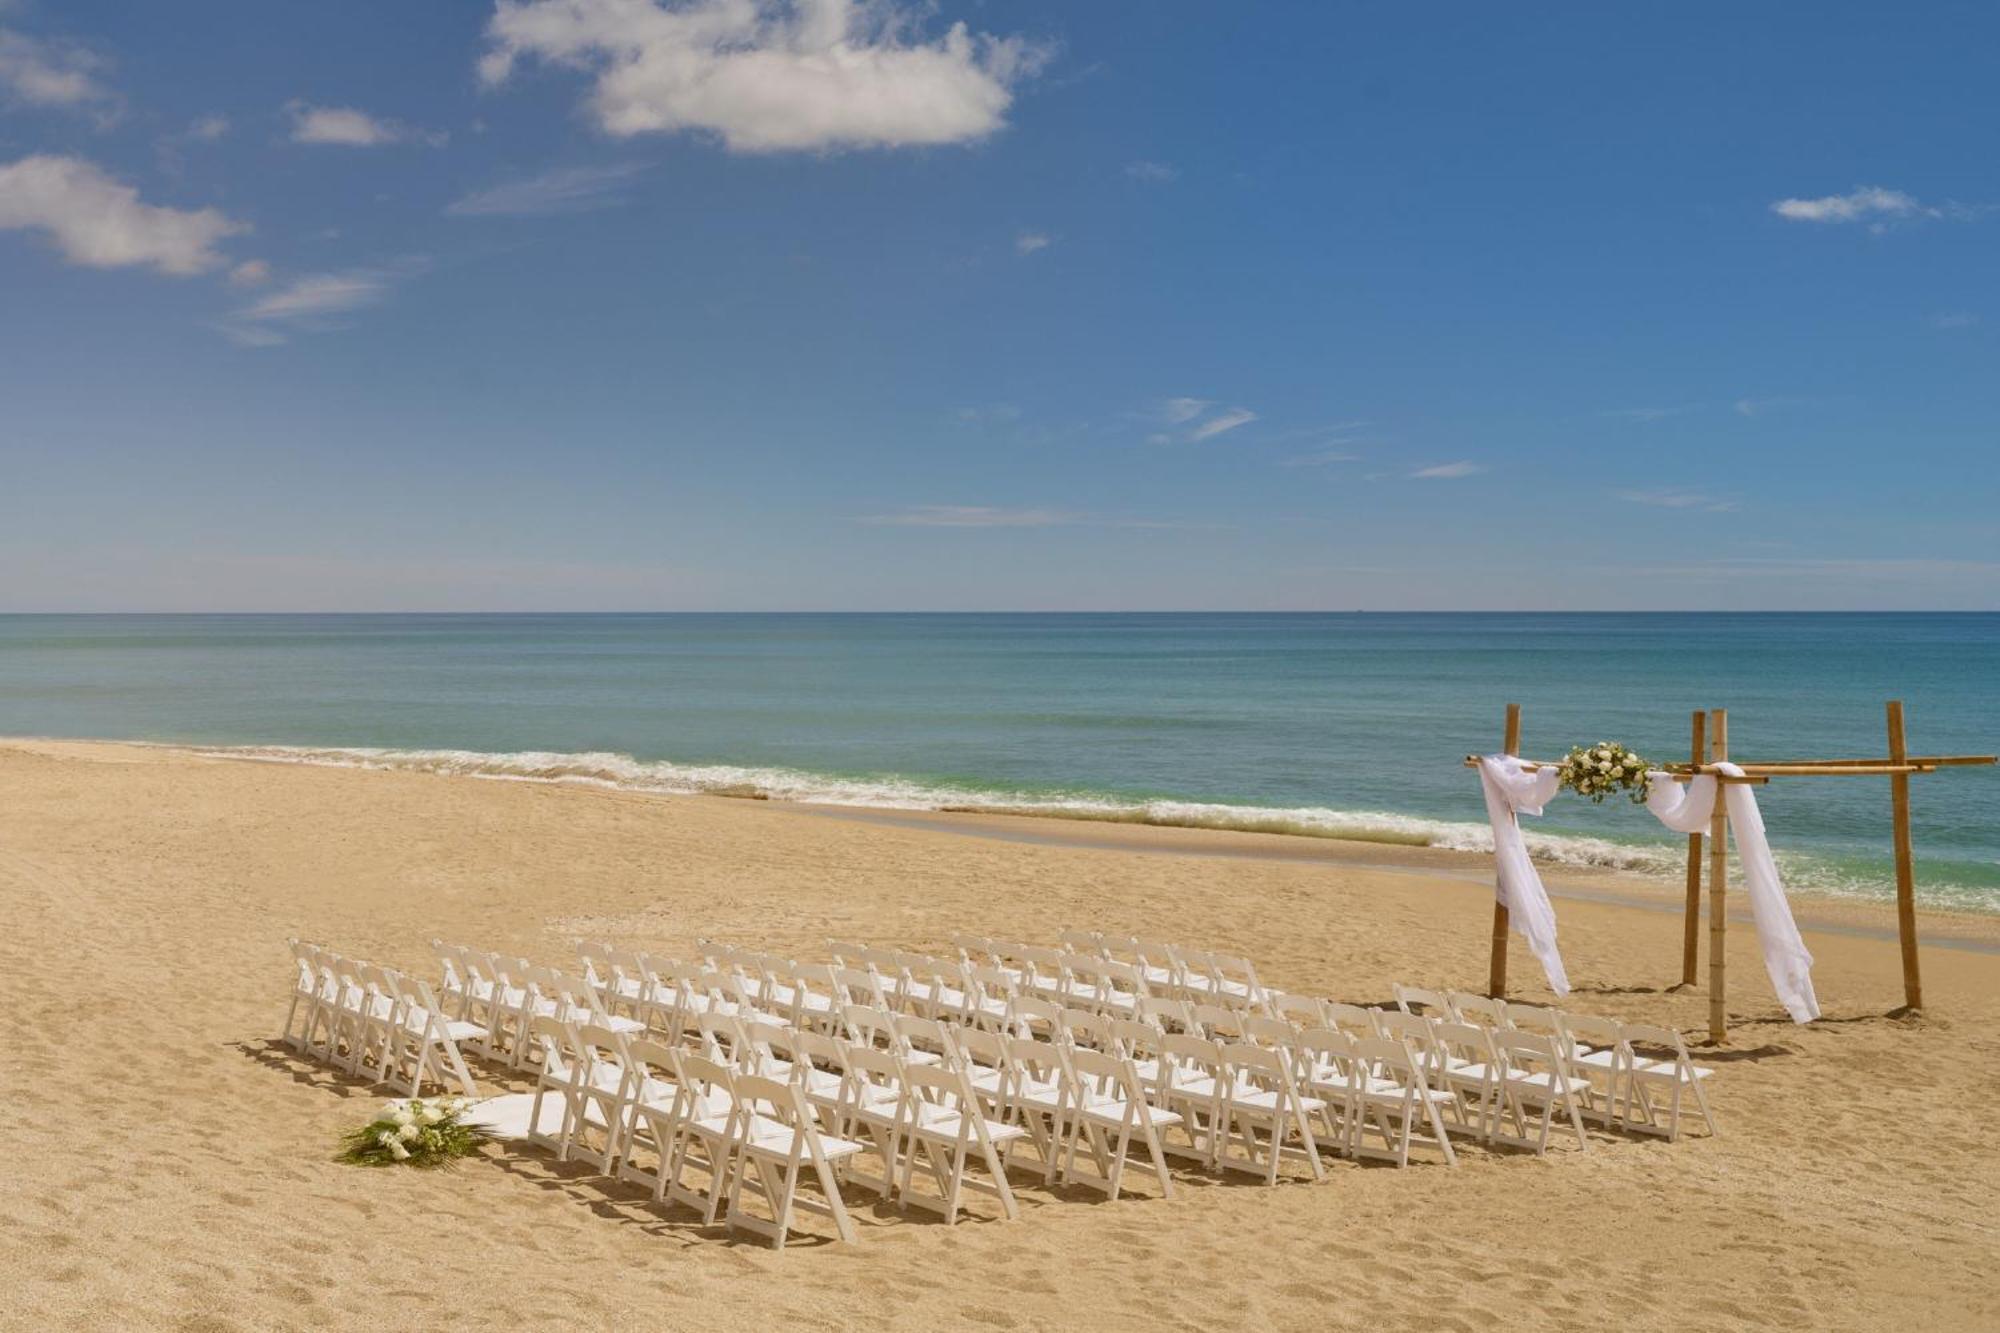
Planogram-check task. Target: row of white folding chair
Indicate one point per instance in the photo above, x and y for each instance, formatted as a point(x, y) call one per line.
point(913, 1107)
point(502, 995)
point(1109, 973)
point(688, 1127)
point(1630, 1076)
point(1201, 975)
point(367, 1020)
point(1028, 1090)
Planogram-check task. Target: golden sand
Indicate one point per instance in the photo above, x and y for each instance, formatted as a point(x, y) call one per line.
point(170, 1164)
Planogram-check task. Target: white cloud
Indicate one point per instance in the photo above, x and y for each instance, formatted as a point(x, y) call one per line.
point(207, 129)
point(564, 190)
point(1645, 414)
point(1671, 499)
point(1954, 319)
point(970, 516)
point(1178, 410)
point(1448, 471)
point(1863, 203)
point(770, 75)
point(53, 73)
point(312, 303)
point(99, 222)
point(1221, 423)
point(1153, 173)
point(1030, 241)
point(250, 273)
point(348, 127)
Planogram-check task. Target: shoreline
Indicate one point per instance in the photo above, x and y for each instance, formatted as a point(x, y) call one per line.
point(1839, 914)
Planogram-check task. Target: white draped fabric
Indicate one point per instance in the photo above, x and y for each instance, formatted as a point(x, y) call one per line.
point(1687, 810)
point(1512, 789)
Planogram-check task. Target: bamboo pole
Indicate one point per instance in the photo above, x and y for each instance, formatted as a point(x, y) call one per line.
point(1920, 760)
point(1718, 887)
point(1906, 873)
point(1691, 919)
point(1496, 971)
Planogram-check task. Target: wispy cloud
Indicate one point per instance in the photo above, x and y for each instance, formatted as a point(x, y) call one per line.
point(1672, 499)
point(1193, 420)
point(1954, 319)
point(1222, 423)
point(1321, 458)
point(350, 127)
point(1861, 204)
point(563, 190)
point(100, 222)
point(767, 78)
point(209, 128)
point(1030, 241)
point(250, 273)
point(313, 303)
point(1756, 407)
point(1153, 173)
point(52, 72)
point(1448, 471)
point(969, 516)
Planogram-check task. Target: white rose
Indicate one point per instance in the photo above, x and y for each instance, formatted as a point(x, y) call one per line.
point(406, 1117)
point(409, 1133)
point(386, 1137)
point(432, 1115)
point(398, 1151)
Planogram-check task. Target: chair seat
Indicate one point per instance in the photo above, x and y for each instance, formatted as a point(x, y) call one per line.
point(1668, 1071)
point(1112, 1113)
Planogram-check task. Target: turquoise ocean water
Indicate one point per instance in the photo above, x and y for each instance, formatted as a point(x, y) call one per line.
point(1346, 724)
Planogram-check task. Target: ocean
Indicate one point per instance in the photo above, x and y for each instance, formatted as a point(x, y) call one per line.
point(1344, 725)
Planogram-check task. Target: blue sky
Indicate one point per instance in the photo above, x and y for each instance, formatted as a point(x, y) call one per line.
point(609, 304)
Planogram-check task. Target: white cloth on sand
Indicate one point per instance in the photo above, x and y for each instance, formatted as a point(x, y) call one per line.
point(1513, 789)
point(1688, 810)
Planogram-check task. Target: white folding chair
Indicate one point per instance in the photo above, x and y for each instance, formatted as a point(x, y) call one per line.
point(1262, 1113)
point(779, 1139)
point(1661, 1077)
point(1397, 1104)
point(943, 1129)
point(1111, 1110)
point(1534, 1088)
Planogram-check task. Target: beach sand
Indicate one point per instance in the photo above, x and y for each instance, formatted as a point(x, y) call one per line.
point(170, 1164)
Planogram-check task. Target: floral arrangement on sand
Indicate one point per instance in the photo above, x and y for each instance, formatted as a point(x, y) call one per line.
point(1598, 770)
point(414, 1133)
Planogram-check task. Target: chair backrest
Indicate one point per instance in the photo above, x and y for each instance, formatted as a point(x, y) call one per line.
point(1135, 1039)
point(654, 1067)
point(1465, 1044)
point(1080, 1027)
point(705, 1088)
point(925, 1034)
point(982, 1047)
point(1026, 1012)
point(1168, 1013)
point(846, 954)
point(1420, 1000)
point(1273, 1033)
point(1536, 1018)
point(1219, 1021)
point(1467, 1007)
point(1411, 1028)
point(974, 949)
point(860, 985)
point(1101, 1075)
point(1087, 942)
point(1181, 1051)
point(1593, 1031)
point(1349, 1018)
point(1532, 1053)
point(562, 1055)
point(1303, 1010)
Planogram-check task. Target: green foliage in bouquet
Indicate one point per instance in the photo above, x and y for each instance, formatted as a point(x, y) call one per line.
point(1598, 770)
point(414, 1133)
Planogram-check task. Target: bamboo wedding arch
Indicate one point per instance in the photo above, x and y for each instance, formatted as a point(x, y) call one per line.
point(1711, 747)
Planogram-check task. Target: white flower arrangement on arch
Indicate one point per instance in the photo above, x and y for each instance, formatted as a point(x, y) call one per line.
point(1596, 771)
point(414, 1133)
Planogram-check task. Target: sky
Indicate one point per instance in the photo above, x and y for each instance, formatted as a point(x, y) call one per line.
point(804, 304)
